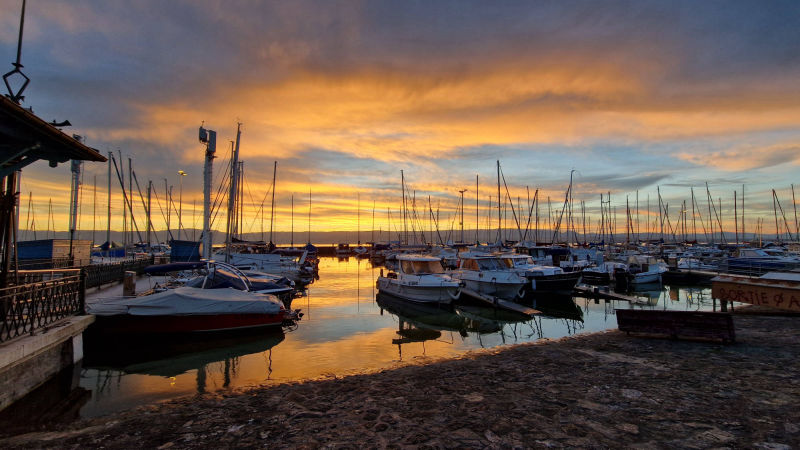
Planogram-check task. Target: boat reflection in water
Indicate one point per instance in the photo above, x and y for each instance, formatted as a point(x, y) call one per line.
point(419, 322)
point(425, 322)
point(558, 306)
point(345, 330)
point(180, 355)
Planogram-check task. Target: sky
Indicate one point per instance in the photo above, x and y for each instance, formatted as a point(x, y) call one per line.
point(634, 96)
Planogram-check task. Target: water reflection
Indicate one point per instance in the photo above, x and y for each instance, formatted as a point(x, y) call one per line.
point(347, 328)
point(179, 356)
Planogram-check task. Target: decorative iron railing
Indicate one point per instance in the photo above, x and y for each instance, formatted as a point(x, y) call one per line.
point(29, 306)
point(100, 274)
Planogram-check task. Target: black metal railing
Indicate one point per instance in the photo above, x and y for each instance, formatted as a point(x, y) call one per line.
point(27, 307)
point(100, 274)
point(45, 263)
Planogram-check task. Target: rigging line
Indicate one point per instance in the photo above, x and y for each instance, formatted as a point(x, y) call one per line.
point(699, 213)
point(174, 208)
point(561, 216)
point(719, 221)
point(141, 197)
point(511, 202)
point(163, 216)
point(261, 207)
point(788, 231)
point(219, 198)
point(125, 196)
point(530, 213)
point(435, 221)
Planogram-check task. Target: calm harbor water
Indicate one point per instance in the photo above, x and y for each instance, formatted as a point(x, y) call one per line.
point(346, 329)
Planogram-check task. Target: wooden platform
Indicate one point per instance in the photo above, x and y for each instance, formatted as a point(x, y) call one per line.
point(604, 293)
point(694, 324)
point(499, 303)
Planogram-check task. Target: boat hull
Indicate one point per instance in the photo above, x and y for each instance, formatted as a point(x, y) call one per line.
point(420, 294)
point(561, 283)
point(596, 278)
point(125, 324)
point(645, 278)
point(508, 291)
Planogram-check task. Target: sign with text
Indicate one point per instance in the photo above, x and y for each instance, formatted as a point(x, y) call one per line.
point(755, 291)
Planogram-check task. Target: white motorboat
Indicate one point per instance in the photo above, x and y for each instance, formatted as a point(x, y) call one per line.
point(420, 278)
point(542, 278)
point(488, 274)
point(603, 274)
point(645, 269)
point(253, 257)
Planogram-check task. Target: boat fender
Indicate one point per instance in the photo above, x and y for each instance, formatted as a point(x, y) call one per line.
point(521, 293)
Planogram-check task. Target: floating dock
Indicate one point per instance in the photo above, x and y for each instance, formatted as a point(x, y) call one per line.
point(604, 293)
point(500, 303)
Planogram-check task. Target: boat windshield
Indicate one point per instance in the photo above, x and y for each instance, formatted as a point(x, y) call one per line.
point(490, 264)
point(422, 267)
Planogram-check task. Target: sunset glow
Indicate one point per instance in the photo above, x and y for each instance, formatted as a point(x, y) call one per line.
point(344, 95)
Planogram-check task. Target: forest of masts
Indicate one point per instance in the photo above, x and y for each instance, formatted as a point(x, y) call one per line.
point(501, 217)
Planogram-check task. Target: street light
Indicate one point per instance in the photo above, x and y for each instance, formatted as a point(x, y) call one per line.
point(180, 201)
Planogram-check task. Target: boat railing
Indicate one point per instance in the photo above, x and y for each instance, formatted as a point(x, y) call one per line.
point(233, 269)
point(31, 305)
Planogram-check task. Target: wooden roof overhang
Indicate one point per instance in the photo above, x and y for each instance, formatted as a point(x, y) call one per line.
point(26, 138)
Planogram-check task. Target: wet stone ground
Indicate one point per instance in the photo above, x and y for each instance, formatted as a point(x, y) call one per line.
point(603, 390)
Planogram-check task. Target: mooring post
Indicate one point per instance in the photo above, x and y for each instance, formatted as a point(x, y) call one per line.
point(129, 284)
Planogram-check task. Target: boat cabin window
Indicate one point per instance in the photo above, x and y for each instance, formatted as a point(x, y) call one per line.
point(469, 264)
point(490, 264)
point(426, 267)
point(407, 267)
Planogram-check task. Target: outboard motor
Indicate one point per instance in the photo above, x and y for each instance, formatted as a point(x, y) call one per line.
point(620, 280)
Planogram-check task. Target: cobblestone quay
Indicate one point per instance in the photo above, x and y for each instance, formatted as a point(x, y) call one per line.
point(603, 390)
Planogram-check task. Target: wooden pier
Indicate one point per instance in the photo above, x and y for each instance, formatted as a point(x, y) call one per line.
point(604, 293)
point(500, 303)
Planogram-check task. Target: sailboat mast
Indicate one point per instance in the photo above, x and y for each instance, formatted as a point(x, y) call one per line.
point(232, 193)
point(108, 223)
point(94, 209)
point(694, 224)
point(291, 236)
point(272, 208)
point(735, 218)
point(208, 137)
point(309, 215)
point(358, 218)
point(794, 205)
point(403, 187)
point(130, 194)
point(169, 208)
point(499, 211)
point(477, 211)
point(149, 222)
point(743, 238)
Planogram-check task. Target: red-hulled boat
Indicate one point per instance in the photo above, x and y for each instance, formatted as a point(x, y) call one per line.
point(190, 310)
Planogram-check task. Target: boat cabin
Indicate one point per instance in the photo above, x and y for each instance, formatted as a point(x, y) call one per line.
point(481, 263)
point(420, 265)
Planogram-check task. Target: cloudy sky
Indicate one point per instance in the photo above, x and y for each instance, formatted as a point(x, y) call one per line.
point(632, 95)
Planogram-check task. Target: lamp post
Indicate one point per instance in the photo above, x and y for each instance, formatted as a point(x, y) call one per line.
point(180, 200)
